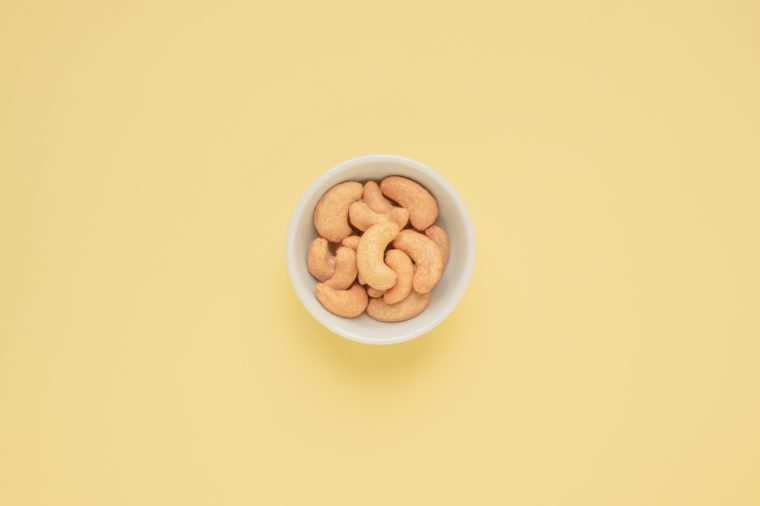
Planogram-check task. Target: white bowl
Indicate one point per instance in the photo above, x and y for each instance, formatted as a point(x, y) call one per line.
point(452, 218)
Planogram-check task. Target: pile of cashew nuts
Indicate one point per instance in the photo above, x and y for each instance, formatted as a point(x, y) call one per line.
point(390, 254)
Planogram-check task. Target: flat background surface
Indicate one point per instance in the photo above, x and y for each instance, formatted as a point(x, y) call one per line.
point(152, 351)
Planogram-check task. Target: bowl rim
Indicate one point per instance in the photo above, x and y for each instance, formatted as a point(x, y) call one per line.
point(461, 286)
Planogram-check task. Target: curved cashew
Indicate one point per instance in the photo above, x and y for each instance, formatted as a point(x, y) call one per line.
point(369, 255)
point(374, 293)
point(439, 237)
point(374, 198)
point(402, 264)
point(359, 277)
point(331, 213)
point(425, 254)
point(407, 308)
point(347, 303)
point(345, 269)
point(362, 217)
point(352, 241)
point(319, 260)
point(422, 207)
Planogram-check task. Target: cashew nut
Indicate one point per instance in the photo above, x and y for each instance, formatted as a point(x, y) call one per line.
point(360, 276)
point(331, 213)
point(439, 237)
point(352, 241)
point(348, 303)
point(407, 308)
point(425, 254)
point(319, 260)
point(374, 198)
point(362, 217)
point(422, 207)
point(345, 269)
point(369, 255)
point(402, 265)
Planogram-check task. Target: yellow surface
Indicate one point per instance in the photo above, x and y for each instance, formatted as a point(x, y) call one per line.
point(152, 351)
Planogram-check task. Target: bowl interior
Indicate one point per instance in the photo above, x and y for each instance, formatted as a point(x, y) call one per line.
point(452, 218)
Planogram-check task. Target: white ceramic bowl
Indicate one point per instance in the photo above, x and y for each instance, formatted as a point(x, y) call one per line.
point(452, 218)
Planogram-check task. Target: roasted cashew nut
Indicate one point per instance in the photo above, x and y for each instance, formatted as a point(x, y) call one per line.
point(374, 198)
point(422, 207)
point(331, 213)
point(319, 260)
point(425, 254)
point(439, 237)
point(362, 217)
point(345, 269)
point(347, 303)
point(374, 293)
point(410, 307)
point(352, 241)
point(402, 265)
point(369, 255)
point(391, 286)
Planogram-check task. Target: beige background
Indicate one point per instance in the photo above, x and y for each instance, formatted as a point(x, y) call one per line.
point(152, 351)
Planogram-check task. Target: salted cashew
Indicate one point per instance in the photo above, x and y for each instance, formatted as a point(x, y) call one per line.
point(347, 303)
point(369, 255)
point(426, 255)
point(410, 307)
point(345, 269)
point(422, 207)
point(319, 260)
point(352, 241)
point(362, 217)
point(402, 265)
point(374, 293)
point(331, 213)
point(439, 237)
point(359, 278)
point(374, 198)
